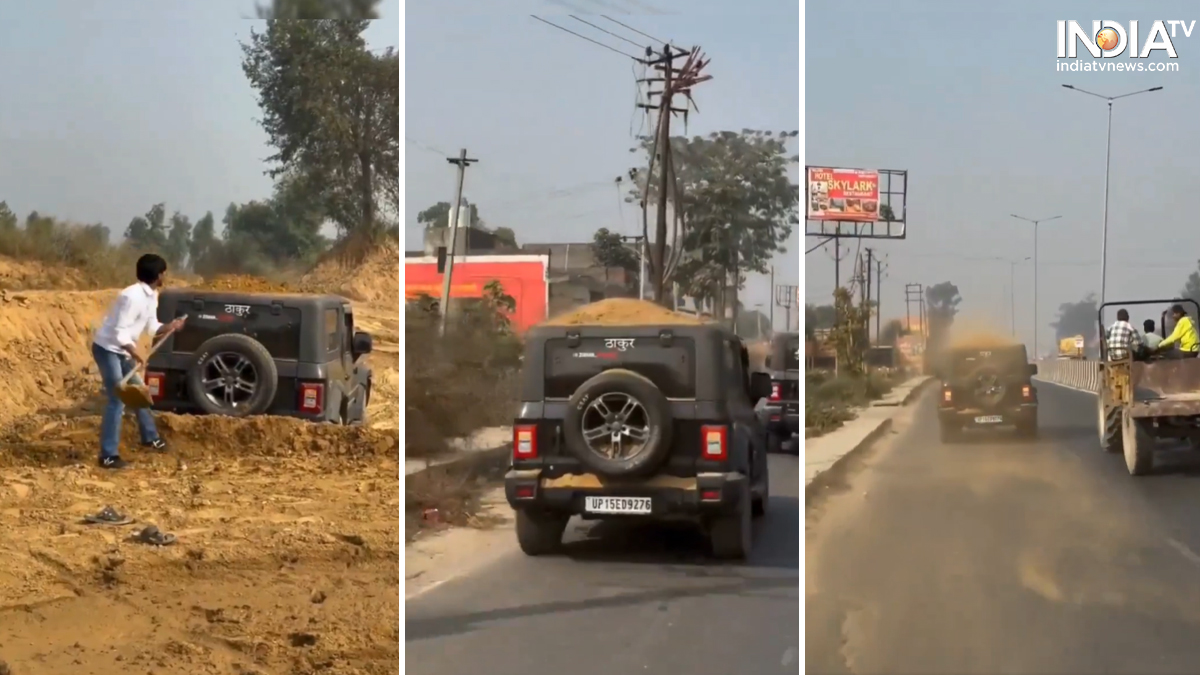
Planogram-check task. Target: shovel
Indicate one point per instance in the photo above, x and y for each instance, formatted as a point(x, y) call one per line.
point(137, 396)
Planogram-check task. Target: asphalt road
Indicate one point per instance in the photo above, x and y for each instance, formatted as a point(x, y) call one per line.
point(623, 600)
point(1003, 556)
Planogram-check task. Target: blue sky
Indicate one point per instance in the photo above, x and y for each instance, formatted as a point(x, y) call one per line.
point(550, 116)
point(966, 97)
point(109, 107)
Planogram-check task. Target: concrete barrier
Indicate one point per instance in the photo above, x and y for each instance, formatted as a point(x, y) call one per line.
point(1076, 374)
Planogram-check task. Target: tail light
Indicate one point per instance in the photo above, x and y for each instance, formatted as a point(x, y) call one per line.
point(312, 397)
point(714, 442)
point(525, 441)
point(155, 384)
point(776, 391)
point(1026, 392)
point(947, 396)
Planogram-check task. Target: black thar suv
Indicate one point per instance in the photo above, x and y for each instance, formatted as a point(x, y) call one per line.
point(245, 354)
point(987, 388)
point(782, 406)
point(638, 422)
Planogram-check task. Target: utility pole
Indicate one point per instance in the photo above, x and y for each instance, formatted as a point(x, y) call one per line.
point(674, 81)
point(878, 297)
point(462, 162)
point(772, 310)
point(870, 264)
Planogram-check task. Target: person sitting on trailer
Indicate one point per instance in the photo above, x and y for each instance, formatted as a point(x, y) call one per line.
point(1184, 335)
point(1123, 339)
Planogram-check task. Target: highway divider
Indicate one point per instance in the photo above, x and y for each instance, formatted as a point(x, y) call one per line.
point(1074, 373)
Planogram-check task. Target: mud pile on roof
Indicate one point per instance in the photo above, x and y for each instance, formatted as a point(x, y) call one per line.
point(623, 312)
point(241, 283)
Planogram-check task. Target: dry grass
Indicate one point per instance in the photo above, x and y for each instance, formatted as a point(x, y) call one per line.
point(455, 384)
point(830, 402)
point(81, 253)
point(450, 496)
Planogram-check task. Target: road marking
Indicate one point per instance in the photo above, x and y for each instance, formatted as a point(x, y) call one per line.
point(425, 589)
point(1184, 551)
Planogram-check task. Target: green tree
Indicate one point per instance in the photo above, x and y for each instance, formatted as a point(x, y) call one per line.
point(438, 215)
point(610, 251)
point(8, 219)
point(1191, 287)
point(319, 9)
point(148, 232)
point(506, 236)
point(891, 332)
point(179, 240)
point(735, 205)
point(1077, 318)
point(941, 306)
point(329, 110)
point(204, 240)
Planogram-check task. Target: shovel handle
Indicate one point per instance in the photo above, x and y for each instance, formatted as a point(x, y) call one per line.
point(153, 348)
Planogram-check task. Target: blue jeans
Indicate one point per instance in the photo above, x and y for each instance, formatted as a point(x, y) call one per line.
point(112, 368)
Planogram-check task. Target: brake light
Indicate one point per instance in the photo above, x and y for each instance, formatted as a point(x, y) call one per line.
point(947, 395)
point(714, 442)
point(155, 384)
point(525, 441)
point(776, 391)
point(312, 397)
point(1026, 391)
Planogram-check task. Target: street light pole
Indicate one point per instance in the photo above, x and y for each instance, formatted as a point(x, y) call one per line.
point(1037, 222)
point(1012, 295)
point(1107, 170)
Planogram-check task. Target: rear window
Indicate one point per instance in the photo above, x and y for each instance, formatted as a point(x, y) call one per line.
point(672, 369)
point(279, 333)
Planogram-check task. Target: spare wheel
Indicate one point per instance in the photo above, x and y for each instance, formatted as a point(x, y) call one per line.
point(618, 424)
point(233, 375)
point(987, 386)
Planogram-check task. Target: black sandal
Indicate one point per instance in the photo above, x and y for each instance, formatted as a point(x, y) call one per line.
point(107, 516)
point(152, 536)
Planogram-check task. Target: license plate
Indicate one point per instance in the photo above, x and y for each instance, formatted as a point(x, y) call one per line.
point(989, 419)
point(618, 505)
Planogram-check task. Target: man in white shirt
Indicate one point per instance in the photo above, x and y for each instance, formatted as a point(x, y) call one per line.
point(1152, 338)
point(115, 350)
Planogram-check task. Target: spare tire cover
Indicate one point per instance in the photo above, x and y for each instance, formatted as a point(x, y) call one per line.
point(628, 421)
point(214, 358)
point(987, 386)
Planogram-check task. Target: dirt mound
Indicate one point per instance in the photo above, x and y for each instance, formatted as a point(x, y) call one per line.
point(20, 275)
point(374, 278)
point(45, 355)
point(49, 440)
point(241, 283)
point(623, 312)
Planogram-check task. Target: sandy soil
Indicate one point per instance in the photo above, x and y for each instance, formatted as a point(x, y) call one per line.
point(287, 531)
point(622, 312)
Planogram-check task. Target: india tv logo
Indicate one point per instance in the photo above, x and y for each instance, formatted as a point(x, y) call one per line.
point(1108, 39)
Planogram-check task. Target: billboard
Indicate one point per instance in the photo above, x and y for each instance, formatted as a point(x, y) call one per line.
point(524, 277)
point(843, 194)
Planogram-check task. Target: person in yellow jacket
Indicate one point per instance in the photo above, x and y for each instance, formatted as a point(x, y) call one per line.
point(1184, 335)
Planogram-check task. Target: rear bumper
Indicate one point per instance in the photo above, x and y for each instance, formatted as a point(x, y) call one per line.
point(1023, 414)
point(782, 418)
point(671, 497)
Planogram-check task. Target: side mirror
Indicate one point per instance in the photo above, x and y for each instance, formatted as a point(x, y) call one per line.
point(361, 344)
point(760, 386)
point(1032, 369)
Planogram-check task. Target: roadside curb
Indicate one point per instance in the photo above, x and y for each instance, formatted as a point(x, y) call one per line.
point(837, 457)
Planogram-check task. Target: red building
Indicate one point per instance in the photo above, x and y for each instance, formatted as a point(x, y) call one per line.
point(524, 277)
